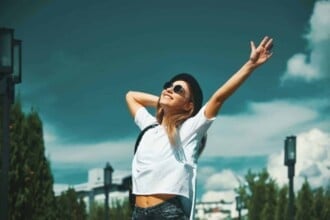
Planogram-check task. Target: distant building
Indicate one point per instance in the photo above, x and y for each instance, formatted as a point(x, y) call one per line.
point(213, 210)
point(93, 190)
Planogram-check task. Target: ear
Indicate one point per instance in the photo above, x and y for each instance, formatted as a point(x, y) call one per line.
point(189, 106)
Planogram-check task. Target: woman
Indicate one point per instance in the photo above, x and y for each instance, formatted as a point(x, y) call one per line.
point(164, 166)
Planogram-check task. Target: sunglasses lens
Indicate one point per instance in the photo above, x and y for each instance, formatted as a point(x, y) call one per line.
point(178, 89)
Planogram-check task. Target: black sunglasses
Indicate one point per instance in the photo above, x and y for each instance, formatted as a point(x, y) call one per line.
point(178, 89)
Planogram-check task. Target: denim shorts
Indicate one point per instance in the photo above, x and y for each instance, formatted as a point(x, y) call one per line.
point(170, 209)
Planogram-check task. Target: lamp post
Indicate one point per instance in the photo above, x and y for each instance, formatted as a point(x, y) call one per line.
point(289, 161)
point(239, 206)
point(108, 170)
point(10, 74)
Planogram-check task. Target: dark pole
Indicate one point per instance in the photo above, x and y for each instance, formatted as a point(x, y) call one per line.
point(106, 203)
point(291, 192)
point(4, 214)
point(290, 161)
point(6, 68)
point(239, 205)
point(107, 184)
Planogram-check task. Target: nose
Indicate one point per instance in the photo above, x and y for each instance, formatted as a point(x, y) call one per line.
point(169, 89)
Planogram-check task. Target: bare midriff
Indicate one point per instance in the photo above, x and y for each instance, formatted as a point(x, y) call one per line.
point(146, 201)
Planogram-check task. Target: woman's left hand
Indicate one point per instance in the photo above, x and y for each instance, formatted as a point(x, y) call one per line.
point(262, 53)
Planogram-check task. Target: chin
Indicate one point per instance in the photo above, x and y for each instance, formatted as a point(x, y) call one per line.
point(164, 101)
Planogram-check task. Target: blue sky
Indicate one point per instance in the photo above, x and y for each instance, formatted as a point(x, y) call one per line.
point(81, 57)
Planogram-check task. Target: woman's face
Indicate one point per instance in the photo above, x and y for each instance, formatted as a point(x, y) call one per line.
point(176, 95)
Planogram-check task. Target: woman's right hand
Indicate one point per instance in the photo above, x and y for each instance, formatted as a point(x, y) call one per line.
point(262, 53)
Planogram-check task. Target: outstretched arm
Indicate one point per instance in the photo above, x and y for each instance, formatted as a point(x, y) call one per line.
point(135, 100)
point(258, 56)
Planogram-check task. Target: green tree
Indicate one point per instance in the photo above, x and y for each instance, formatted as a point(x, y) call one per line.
point(19, 173)
point(264, 200)
point(257, 199)
point(282, 204)
point(31, 193)
point(41, 187)
point(96, 212)
point(70, 207)
point(304, 202)
point(259, 195)
point(318, 203)
point(269, 209)
point(118, 210)
point(326, 210)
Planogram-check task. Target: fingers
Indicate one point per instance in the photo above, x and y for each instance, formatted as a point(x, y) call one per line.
point(269, 44)
point(266, 43)
point(263, 51)
point(253, 47)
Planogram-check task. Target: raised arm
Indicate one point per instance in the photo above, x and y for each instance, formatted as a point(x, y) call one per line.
point(258, 56)
point(135, 100)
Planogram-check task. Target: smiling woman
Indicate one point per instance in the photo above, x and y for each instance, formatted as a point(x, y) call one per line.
point(169, 152)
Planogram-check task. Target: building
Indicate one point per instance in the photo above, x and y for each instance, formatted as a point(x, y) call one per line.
point(219, 210)
point(93, 190)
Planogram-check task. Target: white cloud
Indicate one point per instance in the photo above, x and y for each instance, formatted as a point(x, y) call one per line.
point(91, 153)
point(315, 65)
point(220, 187)
point(312, 160)
point(261, 129)
point(320, 22)
point(215, 196)
point(299, 67)
point(204, 172)
point(119, 153)
point(225, 180)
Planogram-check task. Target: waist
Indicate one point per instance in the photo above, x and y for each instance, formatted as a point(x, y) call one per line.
point(146, 201)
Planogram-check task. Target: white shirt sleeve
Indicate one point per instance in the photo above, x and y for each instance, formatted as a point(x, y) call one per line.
point(143, 118)
point(198, 124)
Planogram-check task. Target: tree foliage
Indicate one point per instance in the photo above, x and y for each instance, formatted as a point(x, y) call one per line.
point(304, 202)
point(118, 210)
point(260, 195)
point(31, 194)
point(69, 206)
point(282, 204)
point(266, 201)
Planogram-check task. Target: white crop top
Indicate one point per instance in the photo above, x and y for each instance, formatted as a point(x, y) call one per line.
point(160, 168)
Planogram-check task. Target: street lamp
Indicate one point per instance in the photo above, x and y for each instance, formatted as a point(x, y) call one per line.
point(6, 51)
point(17, 62)
point(7, 59)
point(108, 170)
point(16, 76)
point(290, 161)
point(239, 206)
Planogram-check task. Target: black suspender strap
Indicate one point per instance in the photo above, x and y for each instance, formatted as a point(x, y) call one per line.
point(131, 195)
point(141, 134)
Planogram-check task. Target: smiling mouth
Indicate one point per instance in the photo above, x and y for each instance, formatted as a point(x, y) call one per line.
point(167, 96)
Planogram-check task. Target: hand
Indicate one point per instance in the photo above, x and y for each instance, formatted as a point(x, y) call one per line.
point(262, 53)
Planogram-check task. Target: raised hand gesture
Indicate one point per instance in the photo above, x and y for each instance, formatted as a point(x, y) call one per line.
point(262, 53)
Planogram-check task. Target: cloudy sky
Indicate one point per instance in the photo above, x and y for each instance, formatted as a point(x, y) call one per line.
point(81, 57)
